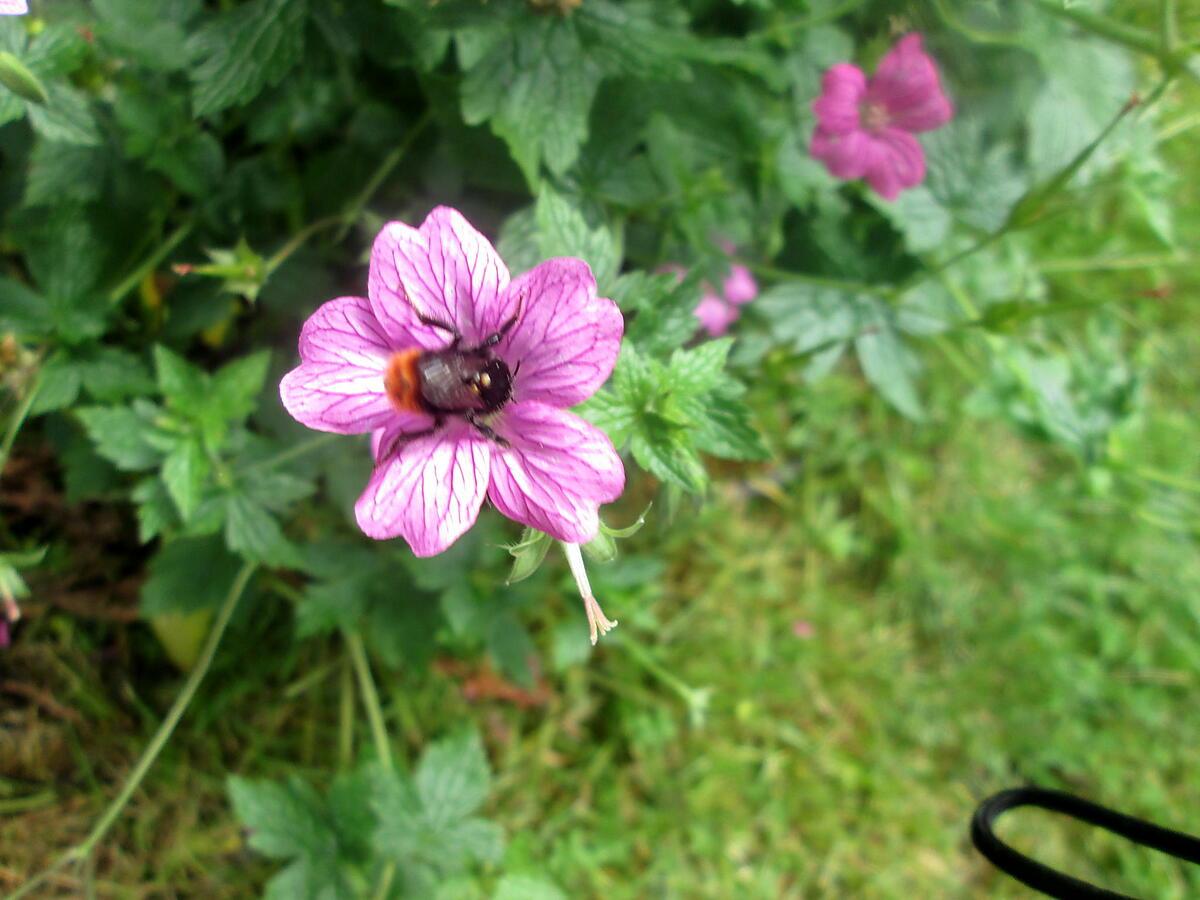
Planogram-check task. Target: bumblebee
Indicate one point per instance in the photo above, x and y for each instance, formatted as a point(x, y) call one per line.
point(468, 382)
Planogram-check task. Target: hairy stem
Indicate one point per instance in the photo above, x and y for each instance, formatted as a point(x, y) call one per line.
point(150, 263)
point(370, 698)
point(350, 215)
point(20, 414)
point(383, 748)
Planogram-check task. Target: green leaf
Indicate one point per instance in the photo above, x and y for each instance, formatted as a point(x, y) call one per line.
point(453, 779)
point(110, 374)
point(185, 473)
point(66, 117)
point(253, 533)
point(889, 366)
point(62, 171)
point(120, 434)
point(245, 50)
point(923, 221)
point(699, 370)
point(563, 231)
point(975, 182)
point(724, 428)
point(185, 387)
point(236, 386)
point(669, 458)
point(152, 32)
point(1088, 83)
point(22, 310)
point(534, 81)
point(291, 821)
point(155, 508)
point(188, 575)
point(812, 318)
point(664, 309)
point(428, 822)
point(59, 384)
point(611, 413)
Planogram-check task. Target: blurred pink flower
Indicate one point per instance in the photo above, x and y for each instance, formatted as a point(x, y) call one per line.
point(520, 351)
point(9, 614)
point(13, 7)
point(802, 628)
point(865, 128)
point(717, 310)
point(715, 314)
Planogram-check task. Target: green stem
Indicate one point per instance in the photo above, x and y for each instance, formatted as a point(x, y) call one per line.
point(383, 749)
point(696, 699)
point(1167, 479)
point(350, 215)
point(296, 242)
point(370, 697)
point(346, 718)
point(20, 414)
point(81, 852)
point(1117, 264)
point(1126, 35)
point(837, 284)
point(294, 452)
point(1170, 27)
point(150, 263)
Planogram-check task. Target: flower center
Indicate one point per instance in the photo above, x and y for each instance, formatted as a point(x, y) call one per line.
point(874, 116)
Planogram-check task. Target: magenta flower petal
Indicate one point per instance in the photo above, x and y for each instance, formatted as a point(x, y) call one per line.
point(429, 490)
point(740, 286)
point(445, 270)
point(567, 339)
point(715, 314)
point(845, 156)
point(338, 386)
point(345, 331)
point(842, 88)
point(13, 7)
point(336, 397)
point(897, 162)
point(906, 84)
point(556, 472)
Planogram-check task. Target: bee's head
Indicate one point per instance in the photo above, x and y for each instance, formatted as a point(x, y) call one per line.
point(493, 383)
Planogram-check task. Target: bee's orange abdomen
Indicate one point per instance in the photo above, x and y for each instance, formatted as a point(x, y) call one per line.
point(402, 381)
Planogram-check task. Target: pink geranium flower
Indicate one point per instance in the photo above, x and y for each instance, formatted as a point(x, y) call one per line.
point(13, 7)
point(464, 376)
point(865, 128)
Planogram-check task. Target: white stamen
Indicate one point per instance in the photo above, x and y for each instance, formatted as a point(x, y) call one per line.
point(597, 621)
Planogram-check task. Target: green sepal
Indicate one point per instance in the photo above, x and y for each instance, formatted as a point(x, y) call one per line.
point(17, 78)
point(528, 554)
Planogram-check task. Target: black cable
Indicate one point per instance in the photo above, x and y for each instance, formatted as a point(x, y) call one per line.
point(1050, 881)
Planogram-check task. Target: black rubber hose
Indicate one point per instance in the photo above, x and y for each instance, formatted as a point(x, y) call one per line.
point(1050, 881)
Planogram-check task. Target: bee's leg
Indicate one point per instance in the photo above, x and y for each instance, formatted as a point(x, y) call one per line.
point(496, 337)
point(442, 326)
point(402, 439)
point(486, 430)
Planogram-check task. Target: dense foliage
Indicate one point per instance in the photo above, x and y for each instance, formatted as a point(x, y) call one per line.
point(182, 184)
